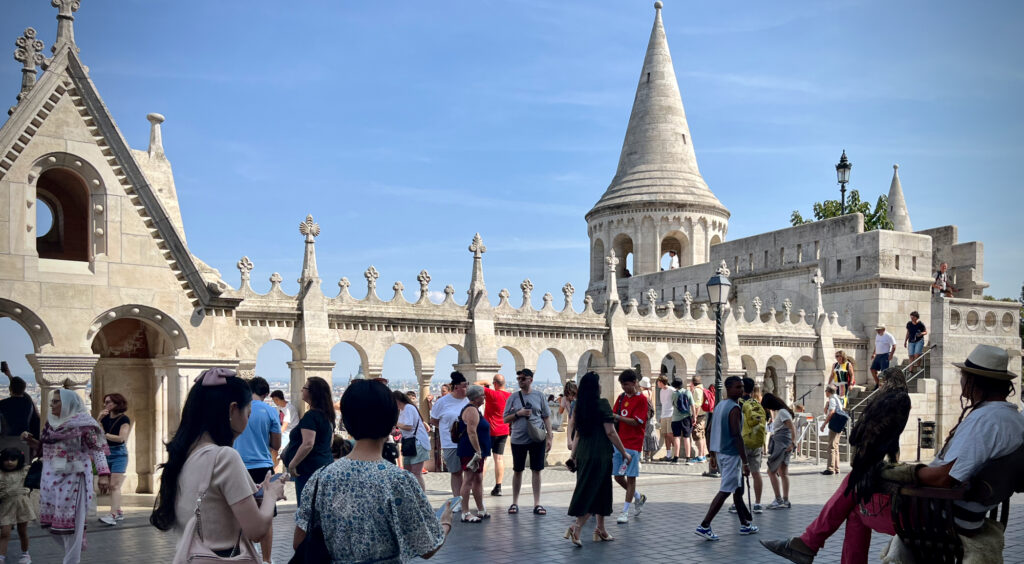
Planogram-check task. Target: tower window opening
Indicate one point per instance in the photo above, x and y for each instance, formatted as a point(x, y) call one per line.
point(799, 252)
point(858, 263)
point(839, 266)
point(897, 262)
point(913, 263)
point(648, 77)
point(63, 221)
point(684, 139)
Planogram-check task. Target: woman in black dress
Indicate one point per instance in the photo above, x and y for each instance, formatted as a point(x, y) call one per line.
point(309, 444)
point(591, 448)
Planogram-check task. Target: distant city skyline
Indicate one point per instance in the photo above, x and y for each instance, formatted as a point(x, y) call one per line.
point(406, 130)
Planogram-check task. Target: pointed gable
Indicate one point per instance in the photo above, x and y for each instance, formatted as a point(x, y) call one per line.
point(50, 107)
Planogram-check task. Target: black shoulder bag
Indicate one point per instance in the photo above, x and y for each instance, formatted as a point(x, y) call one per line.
point(409, 443)
point(313, 548)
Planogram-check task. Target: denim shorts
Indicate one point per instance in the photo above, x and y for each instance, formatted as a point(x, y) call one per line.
point(632, 470)
point(118, 459)
point(915, 348)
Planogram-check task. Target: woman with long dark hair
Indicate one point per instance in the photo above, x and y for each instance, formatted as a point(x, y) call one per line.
point(595, 437)
point(309, 444)
point(779, 448)
point(116, 427)
point(201, 452)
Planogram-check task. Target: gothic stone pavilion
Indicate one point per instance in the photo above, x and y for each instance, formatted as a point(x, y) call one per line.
point(111, 293)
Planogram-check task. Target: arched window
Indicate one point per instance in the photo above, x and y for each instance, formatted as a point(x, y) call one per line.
point(675, 242)
point(63, 198)
point(623, 245)
point(597, 265)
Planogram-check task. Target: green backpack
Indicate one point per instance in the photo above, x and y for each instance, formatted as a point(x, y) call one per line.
point(754, 427)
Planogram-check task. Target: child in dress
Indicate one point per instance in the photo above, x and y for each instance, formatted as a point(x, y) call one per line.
point(15, 505)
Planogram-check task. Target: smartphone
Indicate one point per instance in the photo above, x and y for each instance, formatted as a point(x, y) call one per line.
point(3, 366)
point(455, 503)
point(276, 477)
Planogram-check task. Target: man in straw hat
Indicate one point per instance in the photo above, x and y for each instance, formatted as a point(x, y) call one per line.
point(989, 427)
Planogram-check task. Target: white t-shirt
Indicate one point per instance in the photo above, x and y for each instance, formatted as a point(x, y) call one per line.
point(834, 405)
point(884, 343)
point(991, 430)
point(665, 396)
point(446, 410)
point(779, 422)
point(411, 416)
point(291, 416)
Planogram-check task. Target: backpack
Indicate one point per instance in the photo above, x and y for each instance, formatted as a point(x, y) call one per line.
point(709, 400)
point(754, 427)
point(684, 403)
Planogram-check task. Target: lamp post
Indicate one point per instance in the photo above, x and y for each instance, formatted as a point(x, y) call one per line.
point(843, 173)
point(718, 291)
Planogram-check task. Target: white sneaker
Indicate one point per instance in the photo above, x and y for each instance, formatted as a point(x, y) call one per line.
point(638, 504)
point(109, 520)
point(24, 558)
point(623, 517)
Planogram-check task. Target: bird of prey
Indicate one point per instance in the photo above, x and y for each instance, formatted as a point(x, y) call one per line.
point(877, 433)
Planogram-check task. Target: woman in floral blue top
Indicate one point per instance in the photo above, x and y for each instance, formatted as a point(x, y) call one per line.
point(369, 509)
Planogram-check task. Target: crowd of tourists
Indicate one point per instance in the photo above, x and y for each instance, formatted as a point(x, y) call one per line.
point(363, 498)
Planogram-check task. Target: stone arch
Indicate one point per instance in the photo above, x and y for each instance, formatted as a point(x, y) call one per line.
point(151, 316)
point(715, 239)
point(678, 242)
point(782, 377)
point(73, 191)
point(592, 359)
point(560, 364)
point(442, 369)
point(517, 357)
point(624, 251)
point(597, 255)
point(640, 362)
point(417, 361)
point(750, 367)
point(364, 359)
point(674, 365)
point(260, 369)
point(37, 331)
point(809, 384)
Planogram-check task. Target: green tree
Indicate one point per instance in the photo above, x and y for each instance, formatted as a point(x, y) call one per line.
point(877, 218)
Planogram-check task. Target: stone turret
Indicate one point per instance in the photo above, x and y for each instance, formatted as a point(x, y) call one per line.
point(657, 201)
point(898, 214)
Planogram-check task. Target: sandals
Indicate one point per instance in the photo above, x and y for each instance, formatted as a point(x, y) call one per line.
point(602, 536)
point(468, 517)
point(513, 509)
point(484, 515)
point(574, 536)
point(539, 510)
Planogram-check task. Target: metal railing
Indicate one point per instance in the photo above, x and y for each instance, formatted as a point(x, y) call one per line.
point(909, 369)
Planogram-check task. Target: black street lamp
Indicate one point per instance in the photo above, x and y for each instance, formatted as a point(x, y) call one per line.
point(843, 172)
point(718, 291)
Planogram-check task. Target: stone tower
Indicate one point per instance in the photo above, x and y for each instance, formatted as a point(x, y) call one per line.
point(898, 214)
point(658, 201)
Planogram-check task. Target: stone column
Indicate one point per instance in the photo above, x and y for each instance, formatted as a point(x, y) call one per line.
point(478, 371)
point(373, 370)
point(424, 381)
point(303, 370)
point(54, 371)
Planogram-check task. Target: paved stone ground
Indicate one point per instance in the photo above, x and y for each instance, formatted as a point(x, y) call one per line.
point(677, 500)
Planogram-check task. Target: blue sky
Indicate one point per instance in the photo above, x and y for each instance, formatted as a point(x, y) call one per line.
point(405, 127)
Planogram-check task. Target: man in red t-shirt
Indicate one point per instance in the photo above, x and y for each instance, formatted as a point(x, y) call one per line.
point(630, 413)
point(494, 409)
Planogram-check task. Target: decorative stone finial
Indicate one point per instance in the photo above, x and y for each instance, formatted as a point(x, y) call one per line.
point(308, 227)
point(757, 303)
point(245, 266)
point(275, 280)
point(65, 19)
point(371, 276)
point(398, 288)
point(503, 295)
point(547, 298)
point(527, 288)
point(449, 291)
point(424, 279)
point(658, 5)
point(895, 167)
point(477, 247)
point(652, 296)
point(29, 52)
point(156, 139)
point(723, 269)
point(568, 292)
point(818, 280)
point(611, 260)
point(787, 306)
point(343, 285)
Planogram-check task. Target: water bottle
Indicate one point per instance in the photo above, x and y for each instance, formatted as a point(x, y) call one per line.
point(622, 469)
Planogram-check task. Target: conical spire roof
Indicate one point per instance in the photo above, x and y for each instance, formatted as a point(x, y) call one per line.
point(898, 214)
point(658, 164)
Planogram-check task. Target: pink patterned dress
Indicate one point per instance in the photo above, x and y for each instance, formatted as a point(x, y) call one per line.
point(69, 452)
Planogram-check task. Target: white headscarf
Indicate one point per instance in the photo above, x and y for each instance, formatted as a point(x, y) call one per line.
point(71, 404)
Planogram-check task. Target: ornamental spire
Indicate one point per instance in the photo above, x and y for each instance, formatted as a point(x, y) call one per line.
point(898, 213)
point(310, 230)
point(29, 52)
point(65, 22)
